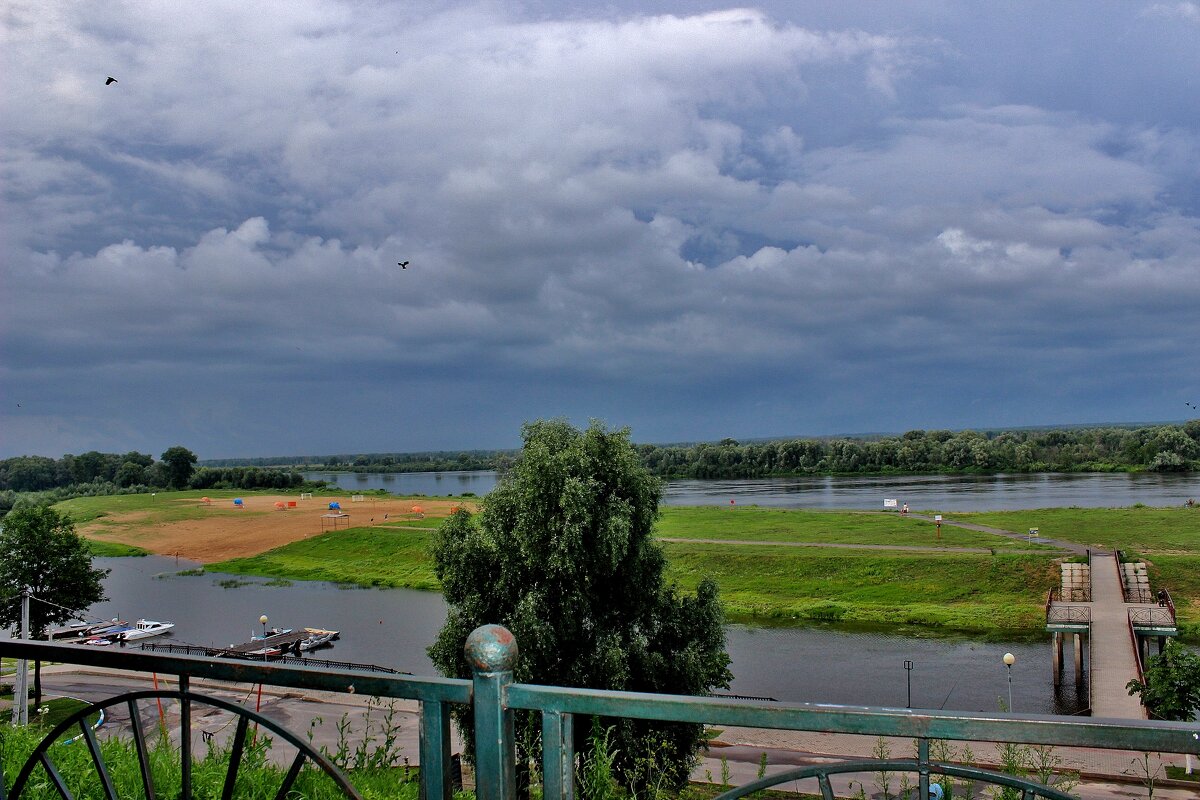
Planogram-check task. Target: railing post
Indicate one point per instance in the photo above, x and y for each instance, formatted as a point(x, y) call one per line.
point(491, 651)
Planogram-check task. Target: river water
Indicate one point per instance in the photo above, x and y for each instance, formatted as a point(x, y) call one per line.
point(930, 492)
point(393, 627)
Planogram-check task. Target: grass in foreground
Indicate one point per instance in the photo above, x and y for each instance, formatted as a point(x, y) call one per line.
point(257, 777)
point(831, 527)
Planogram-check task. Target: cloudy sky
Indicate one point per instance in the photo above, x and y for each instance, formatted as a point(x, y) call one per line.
point(694, 219)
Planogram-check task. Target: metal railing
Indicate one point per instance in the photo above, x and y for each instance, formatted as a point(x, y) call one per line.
point(1159, 617)
point(1073, 594)
point(495, 697)
point(1070, 614)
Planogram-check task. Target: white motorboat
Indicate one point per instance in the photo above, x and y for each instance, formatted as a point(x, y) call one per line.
point(145, 628)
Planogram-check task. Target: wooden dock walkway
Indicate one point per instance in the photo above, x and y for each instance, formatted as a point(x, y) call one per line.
point(1120, 632)
point(1114, 653)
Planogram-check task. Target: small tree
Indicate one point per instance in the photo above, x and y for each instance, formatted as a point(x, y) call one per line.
point(180, 462)
point(562, 554)
point(1172, 687)
point(39, 549)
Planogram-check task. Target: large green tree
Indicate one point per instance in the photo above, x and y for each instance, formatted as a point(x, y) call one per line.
point(39, 549)
point(561, 553)
point(181, 463)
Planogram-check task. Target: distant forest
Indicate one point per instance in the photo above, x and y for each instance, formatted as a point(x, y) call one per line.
point(1160, 448)
point(42, 479)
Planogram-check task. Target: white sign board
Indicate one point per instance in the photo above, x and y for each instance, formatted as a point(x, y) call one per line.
point(887, 503)
point(937, 518)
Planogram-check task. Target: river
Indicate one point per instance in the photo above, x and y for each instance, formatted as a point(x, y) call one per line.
point(930, 492)
point(393, 627)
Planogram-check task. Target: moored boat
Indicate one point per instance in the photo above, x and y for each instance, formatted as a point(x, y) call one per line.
point(145, 628)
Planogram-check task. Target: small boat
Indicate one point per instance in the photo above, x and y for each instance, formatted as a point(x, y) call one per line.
point(268, 635)
point(145, 628)
point(318, 637)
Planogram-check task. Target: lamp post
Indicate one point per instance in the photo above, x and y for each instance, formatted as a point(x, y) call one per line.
point(908, 665)
point(1009, 660)
point(263, 620)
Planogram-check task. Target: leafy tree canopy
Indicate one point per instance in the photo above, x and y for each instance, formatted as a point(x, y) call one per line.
point(180, 462)
point(561, 553)
point(1172, 687)
point(40, 549)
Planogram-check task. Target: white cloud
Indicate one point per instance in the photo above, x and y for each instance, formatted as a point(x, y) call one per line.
point(622, 198)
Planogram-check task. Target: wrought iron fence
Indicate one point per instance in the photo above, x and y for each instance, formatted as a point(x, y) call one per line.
point(1071, 594)
point(1069, 614)
point(1155, 616)
point(495, 697)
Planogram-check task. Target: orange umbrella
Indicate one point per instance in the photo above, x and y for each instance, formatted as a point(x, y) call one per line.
point(418, 510)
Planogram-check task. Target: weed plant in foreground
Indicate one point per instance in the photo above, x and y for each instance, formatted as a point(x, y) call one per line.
point(373, 765)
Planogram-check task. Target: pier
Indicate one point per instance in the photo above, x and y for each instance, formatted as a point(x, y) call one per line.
point(1116, 611)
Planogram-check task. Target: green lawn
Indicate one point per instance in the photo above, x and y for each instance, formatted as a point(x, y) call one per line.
point(361, 556)
point(1138, 528)
point(962, 592)
point(833, 527)
point(163, 507)
point(965, 592)
point(114, 549)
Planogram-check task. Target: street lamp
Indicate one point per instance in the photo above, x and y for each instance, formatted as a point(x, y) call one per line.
point(263, 620)
point(908, 665)
point(1009, 660)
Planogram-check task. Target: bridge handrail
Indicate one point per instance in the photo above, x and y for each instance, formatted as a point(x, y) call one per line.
point(494, 697)
point(1137, 650)
point(1154, 615)
point(1065, 613)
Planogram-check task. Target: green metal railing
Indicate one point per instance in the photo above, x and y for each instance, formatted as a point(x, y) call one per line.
point(495, 697)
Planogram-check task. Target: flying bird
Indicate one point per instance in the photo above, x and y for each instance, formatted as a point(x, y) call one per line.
point(402, 264)
point(111, 80)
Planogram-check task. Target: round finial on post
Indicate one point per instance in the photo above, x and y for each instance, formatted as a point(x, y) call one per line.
point(491, 648)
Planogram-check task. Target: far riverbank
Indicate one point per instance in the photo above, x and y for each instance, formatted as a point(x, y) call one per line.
point(1003, 492)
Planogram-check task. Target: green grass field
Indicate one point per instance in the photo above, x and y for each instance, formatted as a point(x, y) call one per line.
point(964, 592)
point(360, 556)
point(828, 527)
point(1139, 529)
point(952, 591)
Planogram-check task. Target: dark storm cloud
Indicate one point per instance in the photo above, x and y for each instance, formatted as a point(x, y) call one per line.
point(733, 222)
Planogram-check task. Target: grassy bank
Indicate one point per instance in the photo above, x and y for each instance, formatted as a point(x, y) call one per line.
point(1138, 528)
point(1168, 539)
point(359, 556)
point(1000, 591)
point(978, 593)
point(962, 592)
point(760, 524)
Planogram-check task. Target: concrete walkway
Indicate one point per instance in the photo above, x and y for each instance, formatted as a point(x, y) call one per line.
point(1114, 658)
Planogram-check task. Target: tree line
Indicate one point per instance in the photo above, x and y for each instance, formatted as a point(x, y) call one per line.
point(96, 473)
point(1161, 448)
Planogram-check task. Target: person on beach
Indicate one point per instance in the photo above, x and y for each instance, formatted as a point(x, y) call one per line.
point(904, 509)
point(1162, 598)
